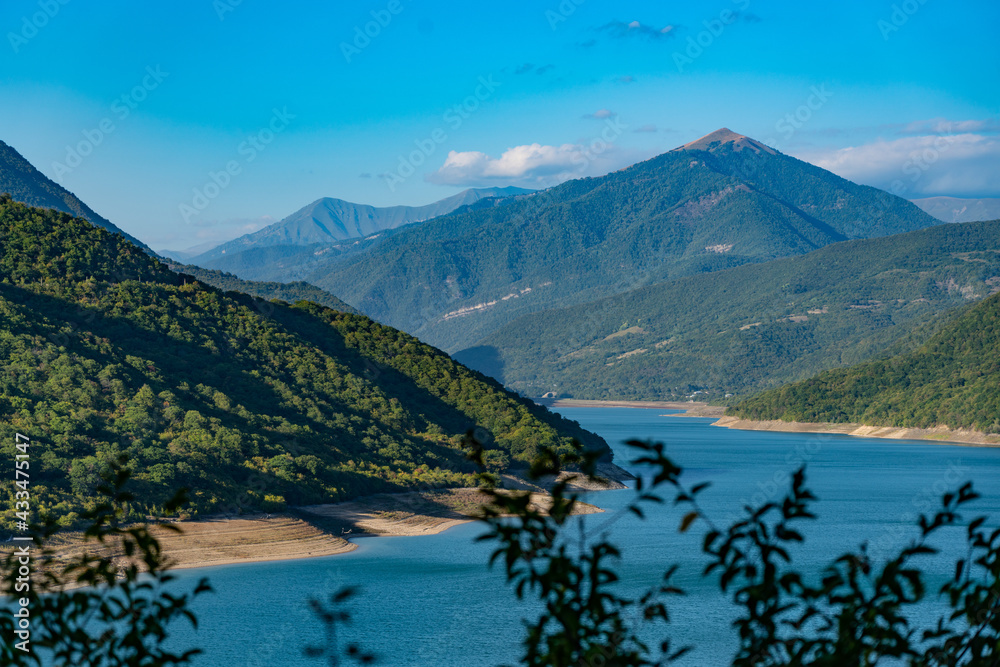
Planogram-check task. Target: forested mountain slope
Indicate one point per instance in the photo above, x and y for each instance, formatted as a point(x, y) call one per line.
point(748, 328)
point(723, 201)
point(953, 380)
point(250, 404)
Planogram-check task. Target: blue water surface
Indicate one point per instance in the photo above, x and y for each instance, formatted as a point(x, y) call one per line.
point(433, 601)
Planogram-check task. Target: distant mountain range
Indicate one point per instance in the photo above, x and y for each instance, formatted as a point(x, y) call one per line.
point(752, 327)
point(719, 202)
point(953, 209)
point(330, 220)
point(953, 380)
point(27, 185)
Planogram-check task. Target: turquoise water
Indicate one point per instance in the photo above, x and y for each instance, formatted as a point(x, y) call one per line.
point(432, 601)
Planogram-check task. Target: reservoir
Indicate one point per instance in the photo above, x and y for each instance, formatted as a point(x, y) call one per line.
point(433, 601)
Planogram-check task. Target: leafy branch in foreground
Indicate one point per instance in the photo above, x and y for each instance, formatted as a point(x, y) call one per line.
point(330, 615)
point(99, 611)
point(584, 622)
point(855, 614)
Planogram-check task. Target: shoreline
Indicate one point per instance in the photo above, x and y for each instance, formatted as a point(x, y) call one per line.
point(690, 408)
point(939, 435)
point(311, 531)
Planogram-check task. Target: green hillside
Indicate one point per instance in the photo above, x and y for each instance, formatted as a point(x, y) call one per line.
point(953, 380)
point(291, 292)
point(721, 202)
point(752, 327)
point(249, 404)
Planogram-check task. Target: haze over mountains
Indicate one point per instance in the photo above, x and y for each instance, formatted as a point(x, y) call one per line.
point(719, 202)
point(954, 209)
point(330, 220)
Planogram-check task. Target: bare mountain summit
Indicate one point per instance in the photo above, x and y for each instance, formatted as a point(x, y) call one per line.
point(723, 137)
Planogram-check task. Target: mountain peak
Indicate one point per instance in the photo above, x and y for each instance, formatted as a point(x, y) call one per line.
point(724, 136)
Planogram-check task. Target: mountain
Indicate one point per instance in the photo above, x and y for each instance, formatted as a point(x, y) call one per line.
point(27, 185)
point(331, 220)
point(752, 327)
point(291, 292)
point(722, 201)
point(953, 380)
point(184, 255)
point(249, 404)
point(953, 209)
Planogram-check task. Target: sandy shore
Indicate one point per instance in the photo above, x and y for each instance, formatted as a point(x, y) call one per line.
point(307, 532)
point(941, 434)
point(691, 408)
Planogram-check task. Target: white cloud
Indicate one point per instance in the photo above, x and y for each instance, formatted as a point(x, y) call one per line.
point(945, 126)
point(532, 165)
point(601, 114)
point(964, 164)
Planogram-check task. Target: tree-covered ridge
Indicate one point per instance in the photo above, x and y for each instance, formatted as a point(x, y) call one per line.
point(684, 212)
point(27, 185)
point(249, 403)
point(749, 328)
point(291, 292)
point(953, 380)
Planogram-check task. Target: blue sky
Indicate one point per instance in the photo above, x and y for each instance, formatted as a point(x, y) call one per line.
point(194, 121)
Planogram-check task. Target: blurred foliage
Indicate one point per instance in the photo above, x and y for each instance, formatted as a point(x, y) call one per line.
point(853, 612)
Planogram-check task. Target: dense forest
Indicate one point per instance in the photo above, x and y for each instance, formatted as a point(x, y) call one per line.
point(953, 380)
point(753, 327)
point(251, 404)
